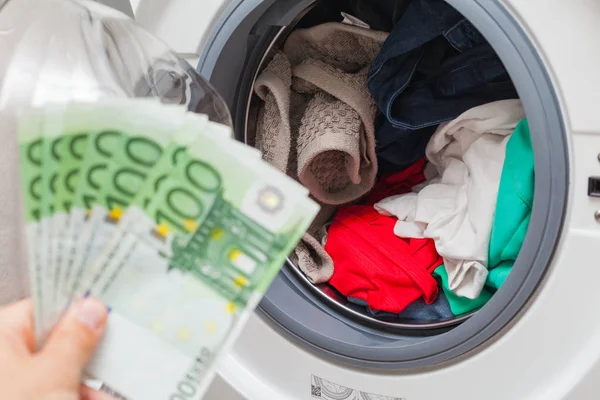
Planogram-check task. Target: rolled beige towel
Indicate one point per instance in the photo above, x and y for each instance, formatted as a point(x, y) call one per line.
point(278, 122)
point(336, 138)
point(316, 123)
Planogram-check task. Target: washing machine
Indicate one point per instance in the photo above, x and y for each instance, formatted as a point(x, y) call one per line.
point(539, 336)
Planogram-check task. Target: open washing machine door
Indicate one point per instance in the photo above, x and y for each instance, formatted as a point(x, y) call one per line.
point(537, 337)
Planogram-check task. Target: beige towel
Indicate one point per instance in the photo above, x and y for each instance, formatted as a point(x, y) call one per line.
point(309, 255)
point(346, 47)
point(317, 123)
point(336, 138)
point(273, 132)
point(276, 134)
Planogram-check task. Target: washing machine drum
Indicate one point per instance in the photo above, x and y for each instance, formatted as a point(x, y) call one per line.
point(232, 57)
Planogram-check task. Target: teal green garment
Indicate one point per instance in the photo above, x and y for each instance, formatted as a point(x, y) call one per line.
point(513, 208)
point(460, 305)
point(511, 220)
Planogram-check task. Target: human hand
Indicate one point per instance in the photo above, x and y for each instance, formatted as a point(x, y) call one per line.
point(54, 372)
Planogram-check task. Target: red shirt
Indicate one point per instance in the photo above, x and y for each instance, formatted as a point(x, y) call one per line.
point(372, 263)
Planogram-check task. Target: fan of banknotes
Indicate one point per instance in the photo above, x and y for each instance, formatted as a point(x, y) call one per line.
point(163, 216)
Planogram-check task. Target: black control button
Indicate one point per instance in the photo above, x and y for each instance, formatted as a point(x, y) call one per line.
point(594, 186)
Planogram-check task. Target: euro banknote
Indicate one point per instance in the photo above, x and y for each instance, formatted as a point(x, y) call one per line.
point(178, 228)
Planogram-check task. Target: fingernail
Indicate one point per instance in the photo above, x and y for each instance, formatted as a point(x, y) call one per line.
point(91, 313)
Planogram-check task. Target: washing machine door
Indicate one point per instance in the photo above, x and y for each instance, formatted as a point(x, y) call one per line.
point(231, 59)
point(535, 338)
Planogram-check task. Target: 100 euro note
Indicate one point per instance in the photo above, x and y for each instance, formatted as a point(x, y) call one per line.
point(49, 124)
point(66, 130)
point(108, 123)
point(99, 149)
point(41, 137)
point(174, 152)
point(62, 153)
point(190, 267)
point(71, 150)
point(144, 134)
point(53, 129)
point(45, 136)
point(30, 138)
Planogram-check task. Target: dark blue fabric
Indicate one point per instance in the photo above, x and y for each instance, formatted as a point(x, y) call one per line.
point(433, 67)
point(397, 150)
point(380, 15)
point(417, 311)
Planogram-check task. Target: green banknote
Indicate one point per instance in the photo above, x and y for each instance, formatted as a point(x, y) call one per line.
point(30, 155)
point(174, 153)
point(144, 143)
point(189, 267)
point(53, 128)
point(72, 148)
point(63, 146)
point(163, 216)
point(193, 126)
point(41, 140)
point(178, 144)
point(62, 154)
point(105, 123)
point(144, 134)
point(79, 126)
point(103, 137)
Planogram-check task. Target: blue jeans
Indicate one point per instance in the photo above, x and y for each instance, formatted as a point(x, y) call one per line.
point(433, 67)
point(417, 311)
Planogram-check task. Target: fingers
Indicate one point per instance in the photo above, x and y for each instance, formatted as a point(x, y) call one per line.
point(16, 326)
point(87, 393)
point(74, 339)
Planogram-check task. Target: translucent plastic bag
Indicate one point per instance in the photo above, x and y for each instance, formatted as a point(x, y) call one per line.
point(121, 59)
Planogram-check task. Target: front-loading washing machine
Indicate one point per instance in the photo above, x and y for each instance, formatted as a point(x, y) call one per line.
point(539, 336)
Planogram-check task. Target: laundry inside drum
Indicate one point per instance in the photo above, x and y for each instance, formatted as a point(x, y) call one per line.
point(415, 143)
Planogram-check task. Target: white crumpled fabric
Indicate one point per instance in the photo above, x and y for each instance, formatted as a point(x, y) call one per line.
point(456, 208)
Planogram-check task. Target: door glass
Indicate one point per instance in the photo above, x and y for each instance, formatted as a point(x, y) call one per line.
point(114, 57)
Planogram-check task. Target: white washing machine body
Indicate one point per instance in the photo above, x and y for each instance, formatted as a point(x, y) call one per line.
point(550, 349)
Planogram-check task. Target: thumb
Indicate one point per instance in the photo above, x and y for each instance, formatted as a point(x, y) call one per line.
point(74, 339)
